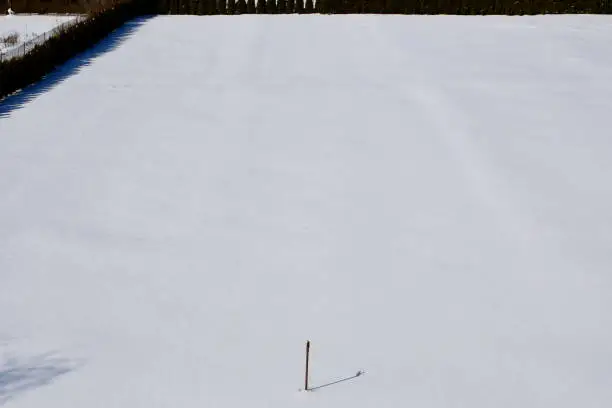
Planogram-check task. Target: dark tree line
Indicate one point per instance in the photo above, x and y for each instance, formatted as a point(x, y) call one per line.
point(386, 6)
point(17, 73)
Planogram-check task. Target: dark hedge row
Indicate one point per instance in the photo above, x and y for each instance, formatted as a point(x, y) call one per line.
point(388, 6)
point(18, 73)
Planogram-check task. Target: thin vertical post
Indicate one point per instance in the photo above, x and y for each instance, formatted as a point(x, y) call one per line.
point(307, 364)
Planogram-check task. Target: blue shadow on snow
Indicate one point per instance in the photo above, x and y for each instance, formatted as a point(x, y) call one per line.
point(19, 375)
point(71, 67)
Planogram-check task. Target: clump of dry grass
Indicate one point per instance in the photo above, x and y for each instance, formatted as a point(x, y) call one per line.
point(10, 39)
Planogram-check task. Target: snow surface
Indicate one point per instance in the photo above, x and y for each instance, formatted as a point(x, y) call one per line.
point(28, 26)
point(424, 198)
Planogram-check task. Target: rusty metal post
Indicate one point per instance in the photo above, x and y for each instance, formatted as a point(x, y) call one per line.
point(307, 364)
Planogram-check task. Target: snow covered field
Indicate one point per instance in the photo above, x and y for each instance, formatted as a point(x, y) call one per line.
point(427, 199)
point(28, 26)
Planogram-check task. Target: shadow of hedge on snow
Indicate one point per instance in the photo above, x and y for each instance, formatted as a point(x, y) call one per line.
point(19, 375)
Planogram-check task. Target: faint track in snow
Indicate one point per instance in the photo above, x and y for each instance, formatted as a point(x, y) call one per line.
point(482, 176)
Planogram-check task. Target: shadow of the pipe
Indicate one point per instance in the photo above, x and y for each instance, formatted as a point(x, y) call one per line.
point(359, 374)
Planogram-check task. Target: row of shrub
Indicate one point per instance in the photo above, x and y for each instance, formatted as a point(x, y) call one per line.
point(18, 73)
point(511, 7)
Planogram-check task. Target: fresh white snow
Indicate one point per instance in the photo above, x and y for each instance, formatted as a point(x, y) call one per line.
point(28, 27)
point(424, 198)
